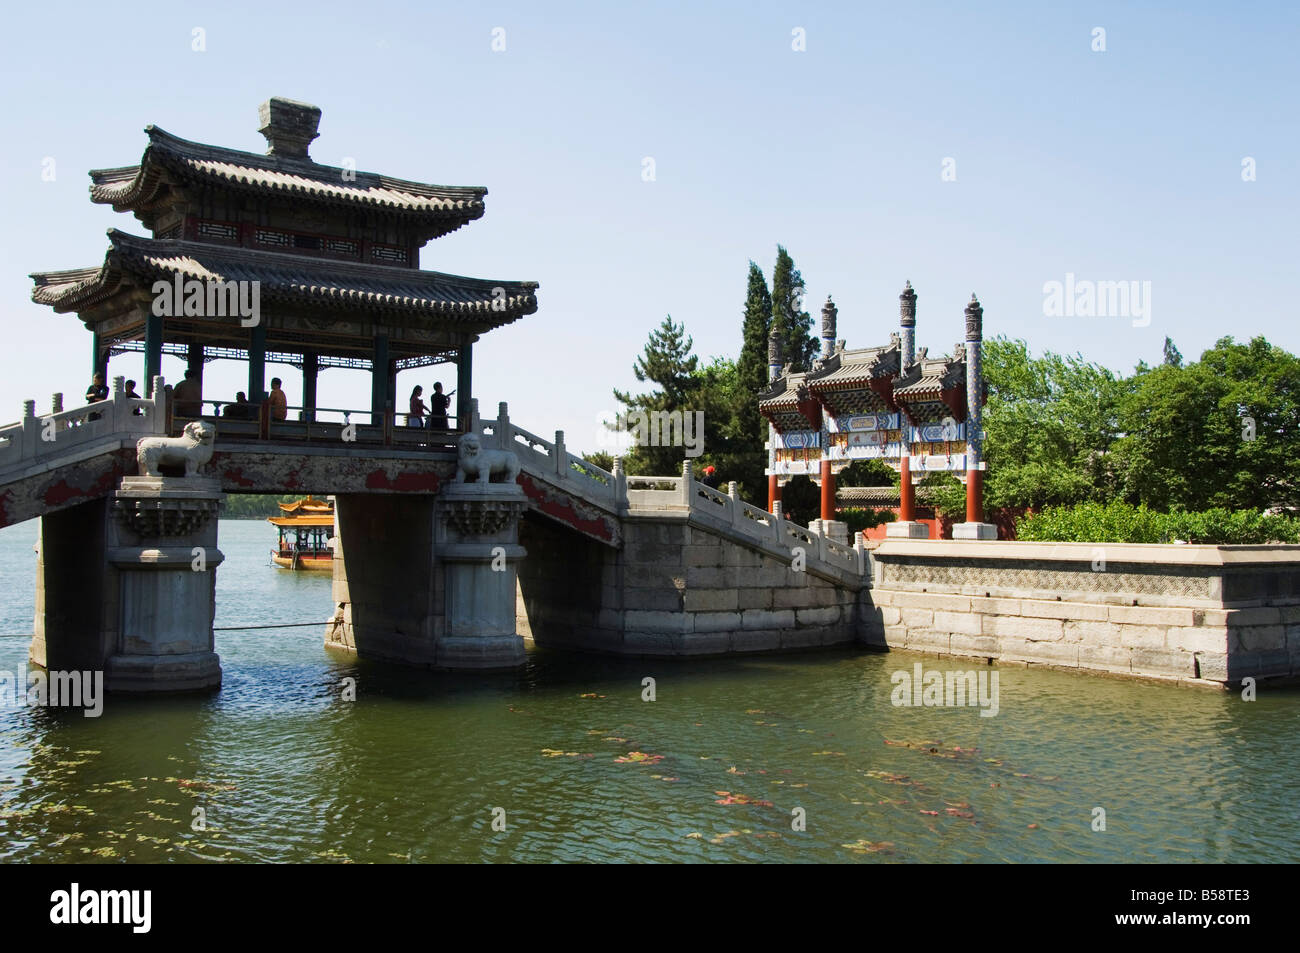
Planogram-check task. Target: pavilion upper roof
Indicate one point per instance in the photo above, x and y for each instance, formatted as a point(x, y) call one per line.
point(133, 263)
point(171, 164)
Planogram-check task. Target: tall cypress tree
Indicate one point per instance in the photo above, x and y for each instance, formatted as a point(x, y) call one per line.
point(793, 324)
point(752, 366)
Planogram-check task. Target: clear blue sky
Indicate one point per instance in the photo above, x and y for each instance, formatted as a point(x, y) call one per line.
point(1115, 165)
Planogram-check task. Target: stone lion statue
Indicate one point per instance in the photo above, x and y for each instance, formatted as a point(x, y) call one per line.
point(474, 461)
point(192, 450)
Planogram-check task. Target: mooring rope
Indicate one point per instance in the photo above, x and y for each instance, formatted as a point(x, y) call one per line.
point(278, 625)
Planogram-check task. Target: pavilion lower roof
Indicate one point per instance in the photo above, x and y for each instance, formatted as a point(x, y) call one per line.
point(428, 298)
point(169, 160)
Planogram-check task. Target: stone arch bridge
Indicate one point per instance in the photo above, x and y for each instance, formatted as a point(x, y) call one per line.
point(584, 558)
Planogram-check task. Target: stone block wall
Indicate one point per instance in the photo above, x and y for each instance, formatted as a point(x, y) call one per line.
point(674, 588)
point(1192, 613)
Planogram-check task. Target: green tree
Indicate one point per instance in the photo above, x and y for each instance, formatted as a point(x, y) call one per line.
point(752, 366)
point(1223, 431)
point(1048, 426)
point(1172, 355)
point(798, 345)
point(667, 361)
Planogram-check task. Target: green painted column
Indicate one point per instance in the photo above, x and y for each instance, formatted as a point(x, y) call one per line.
point(464, 383)
point(379, 380)
point(256, 363)
point(153, 341)
point(98, 356)
point(310, 368)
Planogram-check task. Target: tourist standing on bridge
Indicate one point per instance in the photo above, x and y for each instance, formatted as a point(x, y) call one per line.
point(279, 403)
point(188, 395)
point(711, 477)
point(417, 409)
point(95, 393)
point(438, 404)
point(130, 394)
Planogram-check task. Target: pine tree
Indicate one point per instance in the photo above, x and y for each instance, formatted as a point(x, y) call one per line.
point(668, 362)
point(793, 324)
point(752, 366)
point(1172, 356)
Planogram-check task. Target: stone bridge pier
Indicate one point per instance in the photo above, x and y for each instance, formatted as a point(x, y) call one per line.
point(429, 580)
point(127, 586)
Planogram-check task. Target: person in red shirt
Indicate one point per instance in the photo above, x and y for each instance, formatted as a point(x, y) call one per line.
point(417, 410)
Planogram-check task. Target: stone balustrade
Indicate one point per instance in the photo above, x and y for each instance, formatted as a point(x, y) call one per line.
point(44, 439)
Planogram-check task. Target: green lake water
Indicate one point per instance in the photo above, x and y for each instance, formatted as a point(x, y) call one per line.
point(285, 769)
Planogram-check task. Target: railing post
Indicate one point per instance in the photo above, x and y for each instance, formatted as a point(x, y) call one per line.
point(561, 456)
point(30, 427)
point(737, 512)
point(777, 519)
point(688, 481)
point(160, 416)
point(475, 424)
point(56, 404)
point(504, 436)
point(860, 549)
point(620, 485)
point(121, 414)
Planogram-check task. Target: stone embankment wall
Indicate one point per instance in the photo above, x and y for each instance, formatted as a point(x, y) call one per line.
point(1189, 613)
point(676, 587)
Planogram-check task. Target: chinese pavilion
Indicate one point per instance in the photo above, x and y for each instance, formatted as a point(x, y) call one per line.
point(335, 253)
point(892, 403)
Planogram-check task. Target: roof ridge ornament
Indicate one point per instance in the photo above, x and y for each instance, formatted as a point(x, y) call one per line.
point(289, 126)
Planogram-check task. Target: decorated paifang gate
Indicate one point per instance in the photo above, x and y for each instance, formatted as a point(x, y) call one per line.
point(893, 403)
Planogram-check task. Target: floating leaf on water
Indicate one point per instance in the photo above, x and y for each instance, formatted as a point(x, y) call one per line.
point(743, 799)
point(953, 812)
point(695, 835)
point(669, 779)
point(733, 770)
point(638, 757)
point(870, 847)
point(755, 711)
point(833, 754)
point(556, 753)
point(590, 695)
point(931, 813)
point(1033, 827)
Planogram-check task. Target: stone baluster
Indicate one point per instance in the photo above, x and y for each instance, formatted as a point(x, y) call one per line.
point(620, 485)
point(475, 424)
point(121, 413)
point(860, 550)
point(504, 437)
point(31, 430)
point(777, 520)
point(159, 415)
point(688, 483)
point(561, 456)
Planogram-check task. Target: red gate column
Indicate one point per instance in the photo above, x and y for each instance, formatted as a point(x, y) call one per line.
point(828, 491)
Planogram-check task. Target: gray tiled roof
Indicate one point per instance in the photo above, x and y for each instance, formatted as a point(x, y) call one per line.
point(288, 277)
point(170, 157)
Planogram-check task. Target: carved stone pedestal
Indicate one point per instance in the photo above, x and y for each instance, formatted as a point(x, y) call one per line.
point(162, 542)
point(478, 546)
point(907, 529)
point(974, 531)
point(835, 530)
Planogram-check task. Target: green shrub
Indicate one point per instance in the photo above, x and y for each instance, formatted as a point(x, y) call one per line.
point(1119, 522)
point(859, 518)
